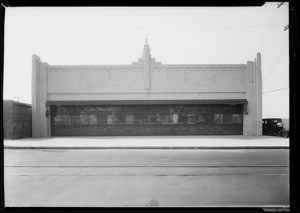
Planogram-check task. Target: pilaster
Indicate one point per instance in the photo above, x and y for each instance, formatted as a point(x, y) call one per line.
point(249, 115)
point(259, 94)
point(39, 98)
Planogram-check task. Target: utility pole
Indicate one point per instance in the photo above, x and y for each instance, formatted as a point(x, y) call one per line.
point(279, 5)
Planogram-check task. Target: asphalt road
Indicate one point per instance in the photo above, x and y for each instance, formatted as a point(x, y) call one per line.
point(93, 178)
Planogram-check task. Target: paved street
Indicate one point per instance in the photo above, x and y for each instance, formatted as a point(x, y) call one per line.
point(210, 178)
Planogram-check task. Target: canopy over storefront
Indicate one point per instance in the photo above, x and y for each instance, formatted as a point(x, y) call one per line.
point(148, 102)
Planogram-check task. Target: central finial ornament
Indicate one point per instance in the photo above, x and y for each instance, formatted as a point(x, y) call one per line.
point(147, 61)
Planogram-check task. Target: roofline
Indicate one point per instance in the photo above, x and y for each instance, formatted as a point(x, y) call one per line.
point(154, 66)
point(273, 118)
point(17, 103)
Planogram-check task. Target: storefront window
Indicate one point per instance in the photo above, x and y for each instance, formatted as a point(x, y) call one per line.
point(227, 118)
point(147, 119)
point(65, 120)
point(129, 119)
point(120, 119)
point(102, 120)
point(111, 119)
point(57, 120)
point(83, 119)
point(63, 110)
point(210, 118)
point(155, 119)
point(182, 119)
point(92, 119)
point(74, 120)
point(138, 119)
point(164, 119)
point(191, 118)
point(218, 118)
point(174, 119)
point(201, 118)
point(237, 118)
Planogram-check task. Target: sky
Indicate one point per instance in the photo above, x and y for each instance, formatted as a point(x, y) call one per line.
point(176, 35)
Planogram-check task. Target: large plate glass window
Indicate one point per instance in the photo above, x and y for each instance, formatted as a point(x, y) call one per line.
point(65, 120)
point(201, 119)
point(218, 118)
point(164, 119)
point(237, 118)
point(182, 119)
point(227, 118)
point(57, 120)
point(155, 119)
point(74, 120)
point(147, 119)
point(210, 118)
point(111, 119)
point(120, 119)
point(102, 120)
point(138, 119)
point(93, 119)
point(191, 118)
point(129, 119)
point(174, 119)
point(83, 119)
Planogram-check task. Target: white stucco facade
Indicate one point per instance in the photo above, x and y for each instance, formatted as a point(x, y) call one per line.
point(146, 79)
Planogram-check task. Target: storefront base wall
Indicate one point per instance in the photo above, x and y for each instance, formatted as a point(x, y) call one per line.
point(233, 129)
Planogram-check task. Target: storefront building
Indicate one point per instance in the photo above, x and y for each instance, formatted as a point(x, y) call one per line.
point(146, 98)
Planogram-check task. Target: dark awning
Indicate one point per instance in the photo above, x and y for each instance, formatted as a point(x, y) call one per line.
point(149, 102)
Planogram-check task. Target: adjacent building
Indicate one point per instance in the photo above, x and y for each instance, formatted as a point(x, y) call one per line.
point(146, 98)
point(16, 120)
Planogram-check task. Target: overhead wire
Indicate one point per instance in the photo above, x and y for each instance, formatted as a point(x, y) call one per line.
point(275, 66)
point(276, 90)
point(275, 62)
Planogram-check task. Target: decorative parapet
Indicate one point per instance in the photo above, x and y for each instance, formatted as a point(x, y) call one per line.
point(95, 69)
point(172, 68)
point(141, 63)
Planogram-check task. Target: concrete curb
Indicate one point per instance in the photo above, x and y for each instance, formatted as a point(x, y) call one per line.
point(146, 147)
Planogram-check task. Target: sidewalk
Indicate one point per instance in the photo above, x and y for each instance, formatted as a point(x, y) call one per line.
point(151, 142)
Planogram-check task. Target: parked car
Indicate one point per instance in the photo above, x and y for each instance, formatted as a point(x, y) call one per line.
point(274, 126)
